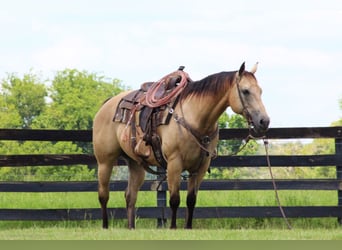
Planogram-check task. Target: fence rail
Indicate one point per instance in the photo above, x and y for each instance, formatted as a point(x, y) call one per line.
point(162, 211)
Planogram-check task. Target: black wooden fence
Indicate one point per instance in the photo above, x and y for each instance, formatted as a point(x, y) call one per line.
point(161, 211)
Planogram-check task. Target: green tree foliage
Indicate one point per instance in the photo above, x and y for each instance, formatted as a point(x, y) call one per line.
point(23, 97)
point(75, 98)
point(70, 102)
point(10, 117)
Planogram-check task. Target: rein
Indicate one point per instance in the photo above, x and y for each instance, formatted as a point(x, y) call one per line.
point(274, 185)
point(266, 143)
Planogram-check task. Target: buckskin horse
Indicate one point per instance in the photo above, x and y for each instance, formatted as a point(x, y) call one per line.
point(183, 139)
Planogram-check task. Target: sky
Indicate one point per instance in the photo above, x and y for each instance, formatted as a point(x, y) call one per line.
point(298, 45)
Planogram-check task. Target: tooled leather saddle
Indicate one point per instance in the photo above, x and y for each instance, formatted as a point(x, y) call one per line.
point(143, 119)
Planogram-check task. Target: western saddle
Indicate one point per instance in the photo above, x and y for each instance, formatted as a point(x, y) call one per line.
point(147, 108)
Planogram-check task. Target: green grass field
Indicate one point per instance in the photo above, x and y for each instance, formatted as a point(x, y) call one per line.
point(204, 229)
point(94, 233)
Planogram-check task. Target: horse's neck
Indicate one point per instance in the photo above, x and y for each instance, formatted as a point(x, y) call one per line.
point(203, 112)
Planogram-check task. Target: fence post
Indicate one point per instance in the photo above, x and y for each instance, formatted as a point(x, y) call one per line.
point(338, 152)
point(161, 201)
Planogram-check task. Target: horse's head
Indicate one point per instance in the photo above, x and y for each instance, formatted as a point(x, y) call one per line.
point(245, 99)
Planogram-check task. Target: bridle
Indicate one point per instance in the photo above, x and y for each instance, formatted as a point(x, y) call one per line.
point(245, 111)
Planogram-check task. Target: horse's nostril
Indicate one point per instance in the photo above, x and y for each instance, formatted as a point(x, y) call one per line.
point(264, 123)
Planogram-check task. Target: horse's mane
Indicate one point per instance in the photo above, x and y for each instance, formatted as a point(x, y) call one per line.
point(210, 85)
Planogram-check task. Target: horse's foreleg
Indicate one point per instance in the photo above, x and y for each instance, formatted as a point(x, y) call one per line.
point(193, 186)
point(173, 180)
point(135, 180)
point(103, 201)
point(174, 204)
point(104, 173)
point(190, 203)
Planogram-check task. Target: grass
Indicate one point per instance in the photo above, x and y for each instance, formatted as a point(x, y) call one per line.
point(95, 233)
point(204, 229)
point(205, 198)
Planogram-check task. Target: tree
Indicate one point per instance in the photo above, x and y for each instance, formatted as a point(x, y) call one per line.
point(10, 117)
point(22, 98)
point(75, 98)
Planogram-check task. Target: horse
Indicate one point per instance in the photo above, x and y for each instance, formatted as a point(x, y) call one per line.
point(188, 142)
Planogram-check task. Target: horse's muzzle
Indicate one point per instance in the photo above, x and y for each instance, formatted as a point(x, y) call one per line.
point(260, 123)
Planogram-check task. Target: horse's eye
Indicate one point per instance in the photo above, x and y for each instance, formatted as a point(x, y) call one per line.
point(245, 92)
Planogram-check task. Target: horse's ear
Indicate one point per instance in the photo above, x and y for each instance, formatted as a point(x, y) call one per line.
point(242, 69)
point(255, 67)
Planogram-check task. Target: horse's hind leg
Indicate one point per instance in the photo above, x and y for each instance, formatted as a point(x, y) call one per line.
point(104, 173)
point(135, 180)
